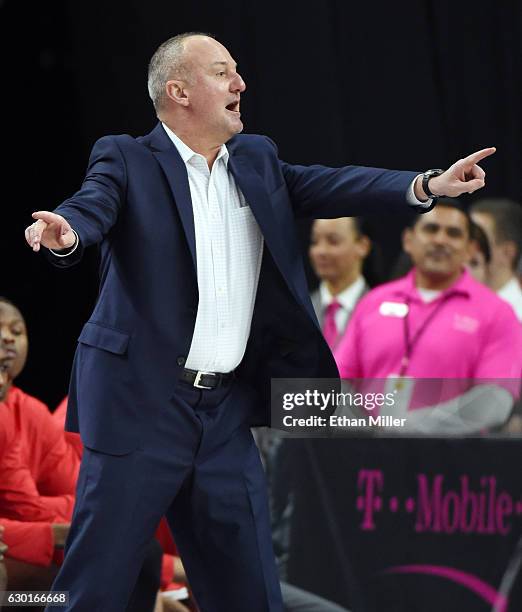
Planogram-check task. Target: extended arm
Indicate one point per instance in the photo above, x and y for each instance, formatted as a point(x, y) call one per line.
point(91, 212)
point(479, 409)
point(321, 191)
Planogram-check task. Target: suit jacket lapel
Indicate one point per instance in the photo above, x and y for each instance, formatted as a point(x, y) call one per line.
point(316, 303)
point(252, 187)
point(175, 171)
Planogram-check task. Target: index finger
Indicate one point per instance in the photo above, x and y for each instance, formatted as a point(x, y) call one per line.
point(48, 217)
point(474, 158)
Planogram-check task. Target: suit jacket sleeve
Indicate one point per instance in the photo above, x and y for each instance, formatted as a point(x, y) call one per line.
point(319, 191)
point(322, 192)
point(94, 209)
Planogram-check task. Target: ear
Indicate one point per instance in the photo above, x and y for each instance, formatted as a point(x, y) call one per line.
point(406, 240)
point(175, 91)
point(471, 250)
point(509, 251)
point(363, 246)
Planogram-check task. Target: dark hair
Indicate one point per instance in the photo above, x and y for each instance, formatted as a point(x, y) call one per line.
point(478, 235)
point(373, 263)
point(359, 226)
point(448, 203)
point(507, 215)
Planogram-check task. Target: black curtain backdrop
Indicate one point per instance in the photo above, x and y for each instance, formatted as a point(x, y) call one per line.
point(408, 85)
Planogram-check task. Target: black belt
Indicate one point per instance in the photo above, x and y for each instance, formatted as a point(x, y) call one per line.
point(206, 380)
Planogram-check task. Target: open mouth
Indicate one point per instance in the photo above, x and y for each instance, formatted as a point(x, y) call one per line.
point(439, 254)
point(233, 106)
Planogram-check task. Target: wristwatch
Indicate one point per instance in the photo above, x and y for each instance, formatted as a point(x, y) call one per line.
point(429, 174)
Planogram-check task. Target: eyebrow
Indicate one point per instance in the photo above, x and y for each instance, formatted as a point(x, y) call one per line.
point(223, 63)
point(433, 224)
point(326, 235)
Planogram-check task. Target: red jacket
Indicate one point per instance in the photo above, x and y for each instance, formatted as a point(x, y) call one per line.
point(54, 462)
point(36, 486)
point(20, 498)
point(30, 542)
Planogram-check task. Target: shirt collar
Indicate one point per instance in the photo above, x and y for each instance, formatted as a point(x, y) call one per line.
point(406, 286)
point(510, 289)
point(187, 153)
point(347, 298)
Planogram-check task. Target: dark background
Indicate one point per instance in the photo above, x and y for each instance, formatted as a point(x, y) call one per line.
point(408, 85)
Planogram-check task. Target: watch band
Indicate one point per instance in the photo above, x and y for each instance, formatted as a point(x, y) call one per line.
point(429, 174)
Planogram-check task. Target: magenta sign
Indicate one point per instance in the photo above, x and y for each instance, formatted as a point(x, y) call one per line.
point(419, 525)
point(478, 508)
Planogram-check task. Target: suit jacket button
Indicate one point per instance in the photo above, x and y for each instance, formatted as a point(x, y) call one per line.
point(181, 361)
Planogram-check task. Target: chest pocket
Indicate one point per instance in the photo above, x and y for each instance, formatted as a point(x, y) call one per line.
point(242, 200)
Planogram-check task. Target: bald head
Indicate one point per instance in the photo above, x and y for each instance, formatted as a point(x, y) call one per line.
point(170, 62)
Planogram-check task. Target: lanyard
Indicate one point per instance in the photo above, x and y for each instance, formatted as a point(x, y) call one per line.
point(410, 343)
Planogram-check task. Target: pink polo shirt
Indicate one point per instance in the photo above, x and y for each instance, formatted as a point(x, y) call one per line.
point(472, 335)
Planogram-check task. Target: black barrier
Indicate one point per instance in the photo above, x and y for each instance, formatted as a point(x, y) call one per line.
point(400, 525)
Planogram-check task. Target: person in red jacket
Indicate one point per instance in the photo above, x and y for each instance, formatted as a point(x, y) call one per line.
point(43, 462)
point(20, 498)
point(53, 462)
point(38, 468)
point(32, 525)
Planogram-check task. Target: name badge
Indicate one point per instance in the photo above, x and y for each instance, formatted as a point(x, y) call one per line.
point(393, 309)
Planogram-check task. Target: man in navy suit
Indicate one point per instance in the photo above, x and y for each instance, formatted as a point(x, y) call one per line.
point(203, 300)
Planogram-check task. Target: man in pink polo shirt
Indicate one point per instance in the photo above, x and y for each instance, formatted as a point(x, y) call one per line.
point(437, 323)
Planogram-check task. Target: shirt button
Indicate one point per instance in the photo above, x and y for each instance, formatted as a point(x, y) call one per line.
point(181, 360)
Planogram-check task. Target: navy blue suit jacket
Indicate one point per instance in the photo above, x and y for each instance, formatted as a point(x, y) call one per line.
point(135, 202)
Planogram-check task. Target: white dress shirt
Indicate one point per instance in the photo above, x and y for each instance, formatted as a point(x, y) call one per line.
point(413, 200)
point(229, 247)
point(512, 293)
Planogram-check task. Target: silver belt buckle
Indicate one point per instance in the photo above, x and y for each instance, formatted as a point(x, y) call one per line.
point(198, 378)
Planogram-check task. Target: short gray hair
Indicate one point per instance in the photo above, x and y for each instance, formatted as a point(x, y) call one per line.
point(166, 63)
